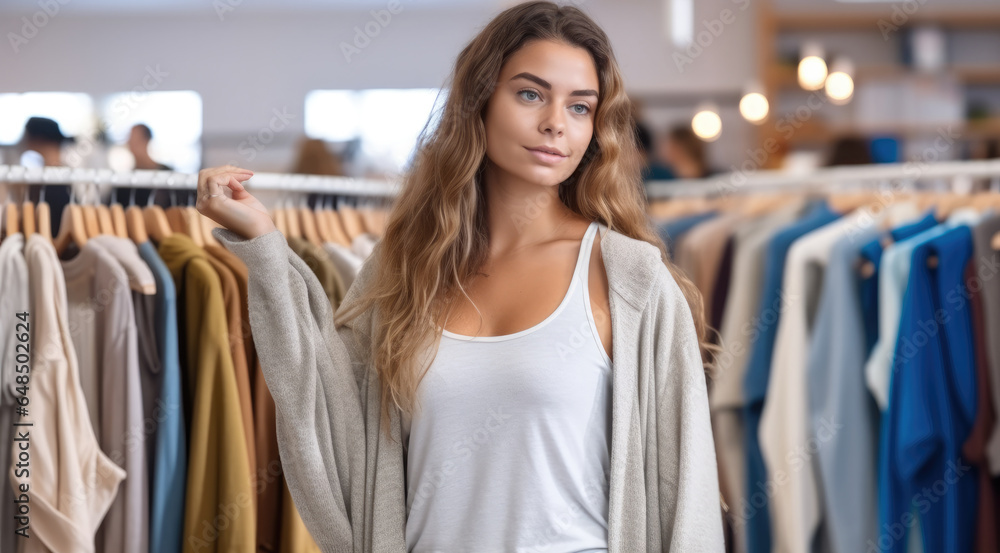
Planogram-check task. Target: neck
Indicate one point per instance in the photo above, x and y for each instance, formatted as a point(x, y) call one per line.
point(521, 214)
point(143, 161)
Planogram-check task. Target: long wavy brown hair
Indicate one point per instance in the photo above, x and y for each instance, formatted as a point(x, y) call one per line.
point(436, 236)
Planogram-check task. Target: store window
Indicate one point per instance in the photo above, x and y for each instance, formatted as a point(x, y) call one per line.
point(74, 111)
point(382, 124)
point(174, 117)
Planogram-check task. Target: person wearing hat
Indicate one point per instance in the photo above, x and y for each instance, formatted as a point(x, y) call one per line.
point(42, 135)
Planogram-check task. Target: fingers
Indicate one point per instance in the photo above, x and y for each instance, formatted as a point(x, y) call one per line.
point(244, 214)
point(211, 181)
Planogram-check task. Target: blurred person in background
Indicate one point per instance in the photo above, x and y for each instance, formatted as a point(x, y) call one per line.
point(43, 137)
point(849, 150)
point(653, 169)
point(684, 154)
point(314, 158)
point(138, 143)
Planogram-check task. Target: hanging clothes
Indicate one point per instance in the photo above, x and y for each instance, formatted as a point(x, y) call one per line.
point(169, 471)
point(74, 482)
point(974, 447)
point(14, 304)
point(231, 298)
point(102, 324)
point(319, 261)
point(726, 397)
point(755, 384)
point(921, 435)
point(218, 468)
point(989, 274)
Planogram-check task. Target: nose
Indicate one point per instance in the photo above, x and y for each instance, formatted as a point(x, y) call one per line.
point(554, 120)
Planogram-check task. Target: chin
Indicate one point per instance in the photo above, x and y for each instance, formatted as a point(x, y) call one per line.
point(547, 179)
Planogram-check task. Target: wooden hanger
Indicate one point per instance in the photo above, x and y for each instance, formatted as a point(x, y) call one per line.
point(135, 224)
point(72, 228)
point(28, 219)
point(373, 218)
point(366, 216)
point(337, 228)
point(292, 220)
point(308, 219)
point(90, 223)
point(322, 225)
point(12, 220)
point(351, 220)
point(104, 219)
point(184, 219)
point(157, 223)
point(848, 202)
point(118, 221)
point(944, 206)
point(43, 215)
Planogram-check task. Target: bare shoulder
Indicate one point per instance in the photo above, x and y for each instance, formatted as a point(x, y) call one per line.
point(599, 295)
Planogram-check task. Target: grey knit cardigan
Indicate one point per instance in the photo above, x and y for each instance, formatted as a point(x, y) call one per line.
point(348, 480)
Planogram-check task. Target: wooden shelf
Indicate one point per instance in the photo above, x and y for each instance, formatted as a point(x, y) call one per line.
point(783, 76)
point(978, 75)
point(778, 77)
point(870, 21)
point(820, 132)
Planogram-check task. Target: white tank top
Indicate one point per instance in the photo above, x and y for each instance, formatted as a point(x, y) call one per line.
point(510, 451)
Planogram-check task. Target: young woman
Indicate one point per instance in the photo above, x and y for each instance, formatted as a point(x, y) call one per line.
point(466, 398)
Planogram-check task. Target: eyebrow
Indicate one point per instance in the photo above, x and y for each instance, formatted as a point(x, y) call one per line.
point(545, 84)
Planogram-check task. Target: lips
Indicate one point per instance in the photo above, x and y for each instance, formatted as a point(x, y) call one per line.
point(547, 150)
point(544, 157)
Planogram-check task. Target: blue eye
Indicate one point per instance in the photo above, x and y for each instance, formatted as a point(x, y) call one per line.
point(586, 108)
point(527, 91)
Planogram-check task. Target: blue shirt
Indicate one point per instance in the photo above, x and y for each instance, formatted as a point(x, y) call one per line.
point(169, 475)
point(843, 416)
point(932, 402)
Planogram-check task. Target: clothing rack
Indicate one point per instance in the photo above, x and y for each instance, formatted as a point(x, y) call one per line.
point(866, 176)
point(17, 174)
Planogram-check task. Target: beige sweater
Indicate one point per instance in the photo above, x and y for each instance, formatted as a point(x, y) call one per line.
point(347, 479)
